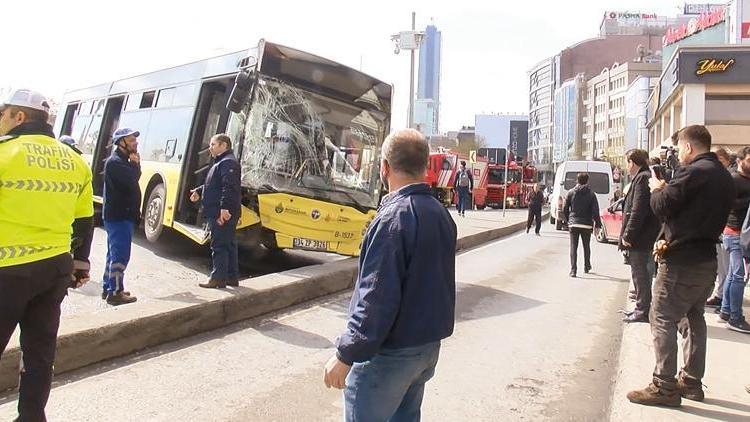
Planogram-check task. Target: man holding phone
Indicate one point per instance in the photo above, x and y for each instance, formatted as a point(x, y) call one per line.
point(221, 198)
point(121, 212)
point(639, 231)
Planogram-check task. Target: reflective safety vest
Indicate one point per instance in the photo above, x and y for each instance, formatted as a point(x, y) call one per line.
point(44, 186)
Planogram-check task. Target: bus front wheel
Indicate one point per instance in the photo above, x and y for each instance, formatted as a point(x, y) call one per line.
point(154, 215)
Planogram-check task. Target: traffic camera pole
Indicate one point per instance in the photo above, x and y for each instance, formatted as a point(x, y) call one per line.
point(505, 187)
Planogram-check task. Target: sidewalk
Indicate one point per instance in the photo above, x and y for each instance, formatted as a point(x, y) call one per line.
point(727, 373)
point(172, 306)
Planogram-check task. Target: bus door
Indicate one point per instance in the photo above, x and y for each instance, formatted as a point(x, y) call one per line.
point(111, 119)
point(211, 117)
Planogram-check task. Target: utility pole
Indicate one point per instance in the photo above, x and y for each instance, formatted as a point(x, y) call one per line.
point(409, 40)
point(505, 188)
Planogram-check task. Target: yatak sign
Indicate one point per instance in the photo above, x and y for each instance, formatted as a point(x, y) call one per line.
point(704, 21)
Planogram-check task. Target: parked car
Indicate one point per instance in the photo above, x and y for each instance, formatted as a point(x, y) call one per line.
point(611, 223)
point(600, 181)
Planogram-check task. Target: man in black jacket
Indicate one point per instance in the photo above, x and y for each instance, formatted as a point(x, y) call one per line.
point(221, 198)
point(535, 200)
point(581, 211)
point(639, 231)
point(122, 211)
point(694, 207)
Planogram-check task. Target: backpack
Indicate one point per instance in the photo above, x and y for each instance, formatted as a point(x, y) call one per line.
point(463, 179)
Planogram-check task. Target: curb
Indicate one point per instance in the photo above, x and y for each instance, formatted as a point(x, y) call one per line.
point(85, 341)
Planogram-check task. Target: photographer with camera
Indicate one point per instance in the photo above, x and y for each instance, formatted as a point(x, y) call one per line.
point(694, 207)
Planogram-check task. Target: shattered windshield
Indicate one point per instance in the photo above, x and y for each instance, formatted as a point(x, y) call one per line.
point(301, 142)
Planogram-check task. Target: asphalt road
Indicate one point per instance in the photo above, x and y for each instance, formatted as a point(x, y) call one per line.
point(530, 344)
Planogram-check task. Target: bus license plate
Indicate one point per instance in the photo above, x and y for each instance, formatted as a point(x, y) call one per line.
point(316, 245)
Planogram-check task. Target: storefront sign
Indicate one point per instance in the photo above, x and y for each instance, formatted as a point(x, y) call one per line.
point(704, 21)
point(713, 66)
point(745, 30)
point(728, 66)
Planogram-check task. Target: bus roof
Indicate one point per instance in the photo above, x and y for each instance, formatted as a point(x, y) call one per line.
point(225, 64)
point(275, 60)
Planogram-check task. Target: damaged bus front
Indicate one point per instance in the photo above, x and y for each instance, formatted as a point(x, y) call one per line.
point(309, 132)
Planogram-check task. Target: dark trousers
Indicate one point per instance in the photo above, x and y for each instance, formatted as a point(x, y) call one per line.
point(463, 199)
point(224, 250)
point(535, 214)
point(585, 236)
point(640, 262)
point(31, 297)
point(680, 293)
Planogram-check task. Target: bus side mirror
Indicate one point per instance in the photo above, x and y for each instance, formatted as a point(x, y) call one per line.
point(243, 84)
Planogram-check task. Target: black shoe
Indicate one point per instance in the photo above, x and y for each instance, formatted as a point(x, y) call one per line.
point(633, 318)
point(723, 318)
point(538, 234)
point(714, 302)
point(739, 325)
point(573, 273)
point(105, 294)
point(587, 270)
point(120, 298)
point(527, 230)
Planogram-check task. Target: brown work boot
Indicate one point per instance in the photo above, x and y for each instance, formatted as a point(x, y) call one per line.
point(214, 284)
point(655, 396)
point(120, 298)
point(690, 388)
point(233, 282)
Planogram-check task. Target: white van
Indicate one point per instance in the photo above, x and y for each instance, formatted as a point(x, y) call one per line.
point(600, 181)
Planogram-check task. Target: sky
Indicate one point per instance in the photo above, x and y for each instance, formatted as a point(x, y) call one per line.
point(488, 46)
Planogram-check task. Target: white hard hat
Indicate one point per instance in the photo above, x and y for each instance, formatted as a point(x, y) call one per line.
point(26, 98)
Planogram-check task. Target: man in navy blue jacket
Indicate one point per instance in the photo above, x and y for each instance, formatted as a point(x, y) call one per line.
point(404, 299)
point(122, 211)
point(221, 200)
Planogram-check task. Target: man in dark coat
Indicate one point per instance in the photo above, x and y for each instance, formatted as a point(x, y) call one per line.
point(535, 200)
point(581, 211)
point(221, 196)
point(639, 231)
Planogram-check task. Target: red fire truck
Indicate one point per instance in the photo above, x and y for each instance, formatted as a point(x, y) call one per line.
point(441, 173)
point(521, 179)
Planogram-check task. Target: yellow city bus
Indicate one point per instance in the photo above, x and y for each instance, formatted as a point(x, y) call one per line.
point(307, 132)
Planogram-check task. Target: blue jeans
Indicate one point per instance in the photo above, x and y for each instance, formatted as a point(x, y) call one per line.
point(463, 199)
point(224, 250)
point(390, 386)
point(119, 239)
point(734, 285)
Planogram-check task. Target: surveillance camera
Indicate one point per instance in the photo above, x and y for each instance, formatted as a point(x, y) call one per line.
point(397, 49)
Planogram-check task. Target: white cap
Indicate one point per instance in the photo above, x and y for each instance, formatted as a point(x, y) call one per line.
point(26, 98)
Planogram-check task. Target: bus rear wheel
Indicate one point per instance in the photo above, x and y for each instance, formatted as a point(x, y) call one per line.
point(154, 215)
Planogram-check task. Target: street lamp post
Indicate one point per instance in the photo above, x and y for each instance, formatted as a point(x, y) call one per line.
point(409, 40)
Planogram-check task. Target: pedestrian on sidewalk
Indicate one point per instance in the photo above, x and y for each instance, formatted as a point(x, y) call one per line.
point(464, 184)
point(734, 285)
point(221, 198)
point(45, 227)
point(121, 212)
point(694, 207)
point(581, 211)
point(404, 300)
point(722, 255)
point(639, 231)
point(535, 201)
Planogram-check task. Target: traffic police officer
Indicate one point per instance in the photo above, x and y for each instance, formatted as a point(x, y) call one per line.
point(45, 196)
point(221, 199)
